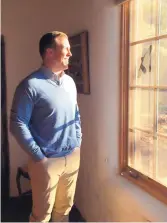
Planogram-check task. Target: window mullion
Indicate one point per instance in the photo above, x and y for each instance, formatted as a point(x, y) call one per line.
point(155, 114)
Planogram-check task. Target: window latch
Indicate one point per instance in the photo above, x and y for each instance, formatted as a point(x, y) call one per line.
point(133, 174)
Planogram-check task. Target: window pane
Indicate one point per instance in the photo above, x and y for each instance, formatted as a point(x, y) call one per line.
point(162, 49)
point(162, 161)
point(143, 109)
point(133, 67)
point(141, 152)
point(163, 17)
point(131, 150)
point(143, 19)
point(142, 64)
point(162, 112)
point(131, 108)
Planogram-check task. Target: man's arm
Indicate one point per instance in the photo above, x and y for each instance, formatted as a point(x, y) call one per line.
point(78, 126)
point(22, 107)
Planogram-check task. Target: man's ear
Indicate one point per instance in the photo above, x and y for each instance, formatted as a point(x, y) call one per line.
point(49, 51)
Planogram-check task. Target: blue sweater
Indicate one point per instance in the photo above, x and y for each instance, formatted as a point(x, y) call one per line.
point(45, 119)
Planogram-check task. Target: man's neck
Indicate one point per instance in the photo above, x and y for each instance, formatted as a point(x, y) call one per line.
point(59, 73)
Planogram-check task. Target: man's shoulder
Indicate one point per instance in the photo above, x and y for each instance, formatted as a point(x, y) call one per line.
point(32, 80)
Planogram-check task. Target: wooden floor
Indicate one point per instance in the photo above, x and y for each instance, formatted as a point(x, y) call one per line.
point(18, 210)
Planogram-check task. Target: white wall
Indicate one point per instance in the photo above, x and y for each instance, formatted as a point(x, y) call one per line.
point(102, 195)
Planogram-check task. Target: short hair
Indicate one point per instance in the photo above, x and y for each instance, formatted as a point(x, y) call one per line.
point(48, 41)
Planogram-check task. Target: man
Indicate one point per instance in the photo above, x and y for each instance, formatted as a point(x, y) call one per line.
point(45, 121)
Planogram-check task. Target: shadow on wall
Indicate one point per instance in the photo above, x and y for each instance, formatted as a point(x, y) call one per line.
point(4, 134)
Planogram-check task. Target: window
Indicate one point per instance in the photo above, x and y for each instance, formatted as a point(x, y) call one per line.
point(143, 130)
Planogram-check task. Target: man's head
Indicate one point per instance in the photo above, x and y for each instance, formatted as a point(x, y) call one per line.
point(54, 49)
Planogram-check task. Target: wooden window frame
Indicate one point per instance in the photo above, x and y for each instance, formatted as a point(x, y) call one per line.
point(154, 188)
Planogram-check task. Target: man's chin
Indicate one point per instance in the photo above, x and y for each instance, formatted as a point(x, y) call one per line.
point(66, 66)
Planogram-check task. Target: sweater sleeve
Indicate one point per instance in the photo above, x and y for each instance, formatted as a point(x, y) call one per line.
point(78, 126)
point(22, 107)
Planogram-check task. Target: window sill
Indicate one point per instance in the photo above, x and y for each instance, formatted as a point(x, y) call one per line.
point(154, 188)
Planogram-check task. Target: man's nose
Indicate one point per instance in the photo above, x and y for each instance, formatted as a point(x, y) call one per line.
point(69, 53)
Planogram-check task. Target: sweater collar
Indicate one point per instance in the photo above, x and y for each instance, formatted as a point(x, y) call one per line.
point(51, 75)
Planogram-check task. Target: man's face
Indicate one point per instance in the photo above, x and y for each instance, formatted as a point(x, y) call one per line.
point(60, 56)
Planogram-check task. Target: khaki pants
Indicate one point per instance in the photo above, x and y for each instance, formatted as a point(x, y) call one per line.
point(53, 187)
